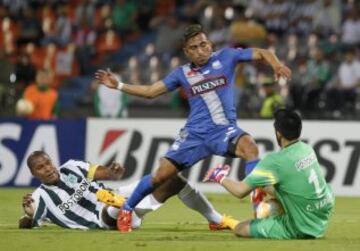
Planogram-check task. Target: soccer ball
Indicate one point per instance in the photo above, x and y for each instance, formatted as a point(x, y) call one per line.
point(269, 208)
point(24, 107)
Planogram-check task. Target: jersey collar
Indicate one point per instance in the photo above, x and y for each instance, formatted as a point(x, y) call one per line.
point(292, 143)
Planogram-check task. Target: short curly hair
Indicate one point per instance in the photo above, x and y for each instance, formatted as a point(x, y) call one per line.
point(34, 156)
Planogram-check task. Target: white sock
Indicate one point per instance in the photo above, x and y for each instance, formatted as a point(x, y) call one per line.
point(148, 204)
point(195, 200)
point(113, 212)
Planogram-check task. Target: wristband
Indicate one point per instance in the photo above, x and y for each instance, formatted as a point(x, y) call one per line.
point(120, 85)
point(222, 179)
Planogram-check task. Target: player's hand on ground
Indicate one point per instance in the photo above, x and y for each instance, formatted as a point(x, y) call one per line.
point(27, 204)
point(217, 174)
point(282, 71)
point(117, 170)
point(108, 78)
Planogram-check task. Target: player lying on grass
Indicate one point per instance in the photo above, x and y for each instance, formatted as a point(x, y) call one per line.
point(69, 196)
point(293, 176)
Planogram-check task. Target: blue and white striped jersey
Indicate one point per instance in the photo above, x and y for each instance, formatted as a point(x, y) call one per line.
point(210, 88)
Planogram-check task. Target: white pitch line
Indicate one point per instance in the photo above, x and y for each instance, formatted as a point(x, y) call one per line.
point(8, 225)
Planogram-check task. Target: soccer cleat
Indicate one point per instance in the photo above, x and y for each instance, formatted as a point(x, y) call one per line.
point(257, 196)
point(217, 227)
point(227, 223)
point(109, 198)
point(123, 222)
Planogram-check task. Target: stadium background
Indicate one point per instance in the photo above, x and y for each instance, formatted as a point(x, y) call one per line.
point(139, 40)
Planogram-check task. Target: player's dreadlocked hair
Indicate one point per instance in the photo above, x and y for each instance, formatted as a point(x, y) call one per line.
point(191, 31)
point(288, 123)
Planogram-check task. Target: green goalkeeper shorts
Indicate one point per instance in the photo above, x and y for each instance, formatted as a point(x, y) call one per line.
point(276, 227)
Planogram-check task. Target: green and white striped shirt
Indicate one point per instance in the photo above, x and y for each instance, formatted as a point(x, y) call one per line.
point(72, 202)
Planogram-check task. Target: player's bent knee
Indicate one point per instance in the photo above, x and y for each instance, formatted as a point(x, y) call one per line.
point(242, 229)
point(253, 151)
point(247, 148)
point(158, 179)
point(164, 172)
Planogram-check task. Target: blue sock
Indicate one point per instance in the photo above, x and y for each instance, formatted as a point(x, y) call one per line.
point(143, 188)
point(250, 165)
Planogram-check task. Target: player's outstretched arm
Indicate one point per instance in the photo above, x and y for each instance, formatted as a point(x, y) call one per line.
point(237, 188)
point(270, 58)
point(114, 172)
point(110, 80)
point(219, 175)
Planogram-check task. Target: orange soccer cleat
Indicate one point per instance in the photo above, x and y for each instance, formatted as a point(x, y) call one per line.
point(123, 222)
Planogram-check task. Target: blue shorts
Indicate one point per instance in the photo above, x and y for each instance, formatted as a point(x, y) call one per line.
point(190, 147)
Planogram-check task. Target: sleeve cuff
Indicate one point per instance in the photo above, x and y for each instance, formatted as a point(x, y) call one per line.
point(248, 182)
point(91, 172)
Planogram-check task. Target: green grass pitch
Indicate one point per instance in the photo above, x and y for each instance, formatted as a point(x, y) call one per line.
point(172, 227)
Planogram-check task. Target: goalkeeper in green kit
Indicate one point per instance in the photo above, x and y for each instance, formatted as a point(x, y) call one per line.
point(291, 175)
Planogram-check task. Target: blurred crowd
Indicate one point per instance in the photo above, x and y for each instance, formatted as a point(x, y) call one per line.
point(50, 49)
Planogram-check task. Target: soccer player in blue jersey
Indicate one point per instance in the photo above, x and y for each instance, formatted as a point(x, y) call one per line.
point(211, 126)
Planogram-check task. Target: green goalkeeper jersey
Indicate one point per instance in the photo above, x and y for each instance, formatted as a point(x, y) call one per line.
point(299, 185)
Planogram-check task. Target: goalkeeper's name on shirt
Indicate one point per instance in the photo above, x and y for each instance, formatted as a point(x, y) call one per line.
point(329, 199)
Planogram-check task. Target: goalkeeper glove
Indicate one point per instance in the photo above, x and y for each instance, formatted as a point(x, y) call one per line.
point(217, 174)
